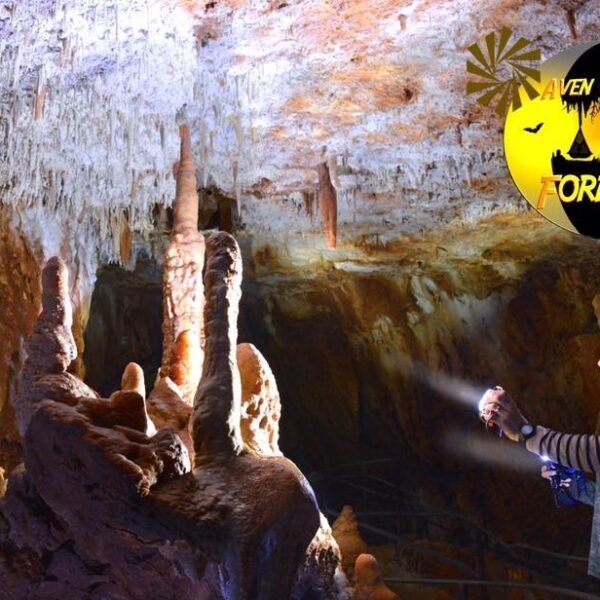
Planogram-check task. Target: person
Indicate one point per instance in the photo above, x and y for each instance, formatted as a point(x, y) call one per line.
point(578, 451)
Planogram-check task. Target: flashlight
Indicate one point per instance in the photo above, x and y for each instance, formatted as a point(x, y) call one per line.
point(485, 414)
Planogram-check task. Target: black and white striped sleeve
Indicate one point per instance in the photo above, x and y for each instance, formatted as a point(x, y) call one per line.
point(578, 450)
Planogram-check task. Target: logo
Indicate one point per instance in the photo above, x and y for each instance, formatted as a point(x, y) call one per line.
point(504, 70)
point(552, 144)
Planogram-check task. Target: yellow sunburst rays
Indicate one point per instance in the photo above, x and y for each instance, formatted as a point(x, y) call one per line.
point(496, 52)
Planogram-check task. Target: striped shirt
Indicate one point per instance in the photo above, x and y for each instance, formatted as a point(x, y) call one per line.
point(577, 450)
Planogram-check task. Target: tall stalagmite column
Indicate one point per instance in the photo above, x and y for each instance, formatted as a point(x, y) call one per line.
point(183, 292)
point(217, 407)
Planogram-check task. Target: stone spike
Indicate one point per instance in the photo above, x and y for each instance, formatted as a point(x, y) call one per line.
point(217, 405)
point(185, 212)
point(183, 295)
point(51, 348)
point(133, 379)
point(56, 305)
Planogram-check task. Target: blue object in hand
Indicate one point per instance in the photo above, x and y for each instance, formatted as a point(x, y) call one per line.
point(560, 491)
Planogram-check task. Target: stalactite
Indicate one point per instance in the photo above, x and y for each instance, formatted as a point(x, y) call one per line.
point(308, 199)
point(40, 98)
point(571, 23)
point(125, 238)
point(328, 203)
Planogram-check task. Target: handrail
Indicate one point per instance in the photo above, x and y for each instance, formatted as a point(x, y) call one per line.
point(413, 546)
point(465, 583)
point(435, 512)
point(569, 557)
point(360, 463)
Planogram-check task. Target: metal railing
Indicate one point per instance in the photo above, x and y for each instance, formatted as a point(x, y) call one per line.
point(463, 586)
point(382, 499)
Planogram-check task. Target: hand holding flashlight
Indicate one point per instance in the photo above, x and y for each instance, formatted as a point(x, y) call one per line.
point(500, 412)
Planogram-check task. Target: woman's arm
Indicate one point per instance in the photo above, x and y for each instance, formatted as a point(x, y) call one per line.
point(577, 450)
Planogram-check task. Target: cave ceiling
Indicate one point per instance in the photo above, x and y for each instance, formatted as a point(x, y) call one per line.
point(91, 93)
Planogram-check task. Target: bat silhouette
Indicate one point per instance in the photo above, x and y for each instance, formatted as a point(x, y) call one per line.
point(533, 129)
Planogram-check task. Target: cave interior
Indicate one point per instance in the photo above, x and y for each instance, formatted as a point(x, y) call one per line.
point(259, 260)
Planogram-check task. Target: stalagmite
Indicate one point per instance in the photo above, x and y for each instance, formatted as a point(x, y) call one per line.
point(182, 282)
point(216, 425)
point(167, 409)
point(328, 202)
point(261, 406)
point(347, 535)
point(133, 379)
point(51, 348)
point(369, 581)
point(108, 482)
point(268, 505)
point(185, 356)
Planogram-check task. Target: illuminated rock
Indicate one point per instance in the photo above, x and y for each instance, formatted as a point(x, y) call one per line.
point(167, 409)
point(183, 295)
point(321, 575)
point(51, 348)
point(347, 535)
point(369, 581)
point(260, 403)
point(328, 202)
point(133, 380)
point(3, 482)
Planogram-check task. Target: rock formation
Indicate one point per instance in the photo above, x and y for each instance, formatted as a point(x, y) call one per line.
point(135, 498)
point(328, 203)
point(261, 405)
point(347, 535)
point(183, 296)
point(369, 581)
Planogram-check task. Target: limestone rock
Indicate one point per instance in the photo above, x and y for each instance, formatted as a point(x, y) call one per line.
point(217, 405)
point(183, 296)
point(167, 409)
point(20, 291)
point(321, 575)
point(115, 496)
point(369, 581)
point(328, 203)
point(260, 404)
point(51, 348)
point(108, 486)
point(347, 535)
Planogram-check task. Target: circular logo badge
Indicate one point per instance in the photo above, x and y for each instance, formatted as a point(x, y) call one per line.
point(552, 143)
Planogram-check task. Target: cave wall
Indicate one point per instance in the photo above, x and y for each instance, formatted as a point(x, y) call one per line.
point(20, 293)
point(126, 307)
point(375, 90)
point(508, 301)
